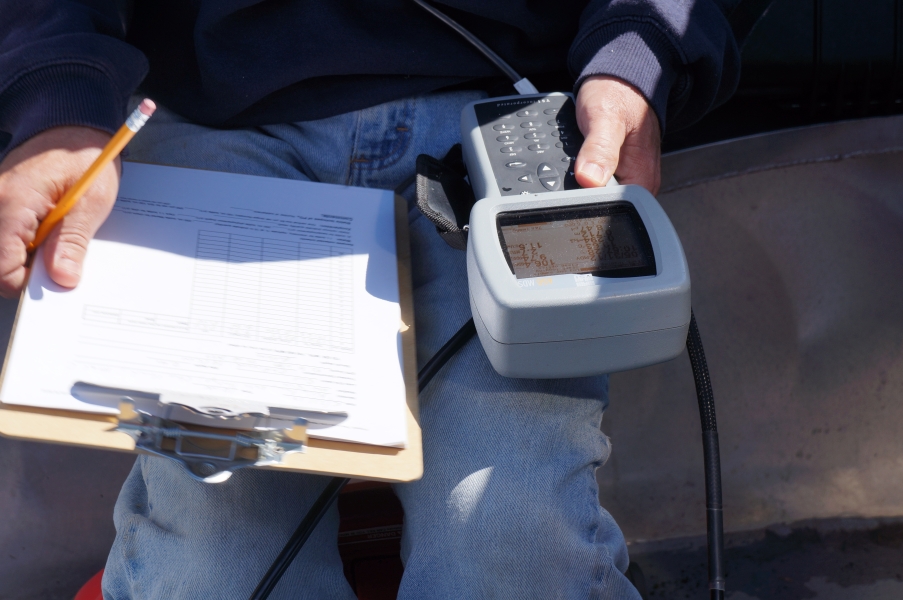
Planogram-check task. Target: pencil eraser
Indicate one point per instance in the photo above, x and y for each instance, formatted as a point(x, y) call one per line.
point(147, 107)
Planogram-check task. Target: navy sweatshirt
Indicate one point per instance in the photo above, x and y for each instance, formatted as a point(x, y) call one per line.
point(229, 63)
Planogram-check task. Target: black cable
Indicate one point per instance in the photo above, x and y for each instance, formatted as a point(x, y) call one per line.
point(335, 485)
point(467, 331)
point(745, 16)
point(294, 544)
point(713, 505)
point(475, 42)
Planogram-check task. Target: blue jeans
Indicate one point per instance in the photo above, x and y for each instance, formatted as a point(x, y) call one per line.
point(508, 504)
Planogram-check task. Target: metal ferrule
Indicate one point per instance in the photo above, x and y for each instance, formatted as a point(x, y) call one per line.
point(136, 120)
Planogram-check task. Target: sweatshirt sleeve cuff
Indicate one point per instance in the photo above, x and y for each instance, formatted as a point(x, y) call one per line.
point(638, 52)
point(58, 95)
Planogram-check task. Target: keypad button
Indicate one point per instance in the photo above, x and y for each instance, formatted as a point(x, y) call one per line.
point(506, 138)
point(550, 183)
point(546, 170)
point(536, 147)
point(531, 124)
point(525, 178)
point(516, 164)
point(501, 126)
point(528, 113)
point(551, 111)
point(565, 145)
point(535, 135)
point(511, 149)
point(567, 159)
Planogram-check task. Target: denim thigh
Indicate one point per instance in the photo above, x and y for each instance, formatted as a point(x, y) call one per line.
point(508, 505)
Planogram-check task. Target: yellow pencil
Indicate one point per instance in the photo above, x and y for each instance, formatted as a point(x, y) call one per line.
point(135, 121)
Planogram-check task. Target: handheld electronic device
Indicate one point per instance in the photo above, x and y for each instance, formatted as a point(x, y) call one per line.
point(564, 282)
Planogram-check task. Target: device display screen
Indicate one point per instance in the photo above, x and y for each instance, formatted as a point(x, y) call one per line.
point(607, 240)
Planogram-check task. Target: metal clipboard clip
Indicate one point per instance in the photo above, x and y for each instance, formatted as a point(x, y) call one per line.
point(210, 441)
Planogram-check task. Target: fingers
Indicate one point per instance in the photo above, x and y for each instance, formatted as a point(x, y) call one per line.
point(21, 203)
point(16, 223)
point(600, 154)
point(33, 177)
point(66, 246)
point(641, 158)
point(622, 135)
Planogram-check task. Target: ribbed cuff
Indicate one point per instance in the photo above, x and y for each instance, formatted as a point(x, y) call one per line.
point(57, 95)
point(634, 50)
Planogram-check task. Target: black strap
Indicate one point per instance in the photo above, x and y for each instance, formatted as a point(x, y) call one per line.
point(444, 196)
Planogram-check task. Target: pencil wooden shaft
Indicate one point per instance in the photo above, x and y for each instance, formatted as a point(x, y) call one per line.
point(71, 198)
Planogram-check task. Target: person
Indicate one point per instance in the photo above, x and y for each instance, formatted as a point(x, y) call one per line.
point(351, 92)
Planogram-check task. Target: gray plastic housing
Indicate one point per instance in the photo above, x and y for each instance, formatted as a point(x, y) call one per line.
point(575, 326)
point(476, 155)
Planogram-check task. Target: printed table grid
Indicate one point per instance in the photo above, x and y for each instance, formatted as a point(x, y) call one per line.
point(263, 289)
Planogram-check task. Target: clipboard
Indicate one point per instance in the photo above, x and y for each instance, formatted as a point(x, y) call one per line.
point(317, 456)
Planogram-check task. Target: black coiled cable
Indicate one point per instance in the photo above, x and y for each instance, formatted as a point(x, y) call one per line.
point(713, 507)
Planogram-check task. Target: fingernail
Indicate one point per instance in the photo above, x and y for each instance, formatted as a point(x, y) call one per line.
point(67, 264)
point(593, 172)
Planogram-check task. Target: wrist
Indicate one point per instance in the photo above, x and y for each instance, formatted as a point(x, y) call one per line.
point(69, 148)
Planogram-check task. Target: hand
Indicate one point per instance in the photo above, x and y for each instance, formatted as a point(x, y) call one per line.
point(622, 134)
point(33, 177)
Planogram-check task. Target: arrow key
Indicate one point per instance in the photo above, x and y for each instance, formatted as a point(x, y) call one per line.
point(546, 170)
point(550, 183)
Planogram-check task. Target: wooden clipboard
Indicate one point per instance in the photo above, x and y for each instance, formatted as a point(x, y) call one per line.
point(321, 457)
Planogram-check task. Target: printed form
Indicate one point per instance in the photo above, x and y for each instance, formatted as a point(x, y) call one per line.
point(248, 292)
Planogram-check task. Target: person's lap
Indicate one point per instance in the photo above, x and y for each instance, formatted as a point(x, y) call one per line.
point(508, 503)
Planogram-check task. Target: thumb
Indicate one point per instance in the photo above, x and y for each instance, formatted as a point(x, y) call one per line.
point(66, 246)
point(598, 158)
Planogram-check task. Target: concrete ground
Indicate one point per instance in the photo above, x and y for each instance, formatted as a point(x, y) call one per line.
point(837, 559)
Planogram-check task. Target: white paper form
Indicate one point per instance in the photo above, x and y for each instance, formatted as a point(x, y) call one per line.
point(250, 292)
